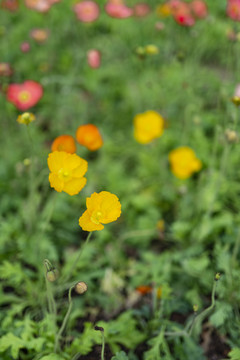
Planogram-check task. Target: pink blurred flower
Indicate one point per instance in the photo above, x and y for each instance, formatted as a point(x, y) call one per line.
point(25, 47)
point(199, 9)
point(87, 11)
point(94, 58)
point(233, 9)
point(237, 91)
point(5, 69)
point(39, 35)
point(41, 6)
point(119, 11)
point(11, 5)
point(141, 9)
point(159, 25)
point(24, 95)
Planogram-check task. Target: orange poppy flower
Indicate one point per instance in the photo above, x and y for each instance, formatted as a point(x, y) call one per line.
point(88, 135)
point(64, 143)
point(144, 289)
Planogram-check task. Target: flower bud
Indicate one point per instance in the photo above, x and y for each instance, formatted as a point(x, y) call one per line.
point(217, 276)
point(52, 275)
point(26, 118)
point(236, 100)
point(151, 49)
point(231, 136)
point(195, 308)
point(81, 287)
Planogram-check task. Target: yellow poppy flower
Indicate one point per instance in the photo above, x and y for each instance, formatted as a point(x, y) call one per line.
point(66, 172)
point(102, 208)
point(184, 162)
point(148, 126)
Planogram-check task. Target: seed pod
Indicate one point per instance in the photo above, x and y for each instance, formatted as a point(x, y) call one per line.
point(81, 287)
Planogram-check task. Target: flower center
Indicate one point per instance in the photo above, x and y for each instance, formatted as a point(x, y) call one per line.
point(64, 175)
point(96, 216)
point(24, 96)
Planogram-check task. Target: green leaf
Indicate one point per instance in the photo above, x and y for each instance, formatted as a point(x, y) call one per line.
point(121, 355)
point(122, 330)
point(13, 342)
point(12, 271)
point(52, 356)
point(85, 342)
point(222, 313)
point(234, 354)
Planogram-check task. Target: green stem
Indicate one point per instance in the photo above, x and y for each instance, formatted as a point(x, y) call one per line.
point(103, 346)
point(78, 257)
point(199, 318)
point(65, 320)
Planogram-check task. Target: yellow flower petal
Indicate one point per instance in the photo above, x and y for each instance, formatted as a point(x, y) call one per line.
point(86, 223)
point(56, 160)
point(74, 186)
point(81, 169)
point(55, 182)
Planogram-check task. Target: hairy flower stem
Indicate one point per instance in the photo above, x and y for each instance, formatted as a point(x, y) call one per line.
point(78, 257)
point(65, 320)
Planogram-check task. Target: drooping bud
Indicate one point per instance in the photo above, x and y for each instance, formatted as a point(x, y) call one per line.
point(81, 287)
point(52, 275)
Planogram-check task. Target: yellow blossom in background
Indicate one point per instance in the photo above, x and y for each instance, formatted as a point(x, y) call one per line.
point(148, 126)
point(184, 162)
point(102, 208)
point(66, 172)
point(163, 10)
point(151, 49)
point(26, 118)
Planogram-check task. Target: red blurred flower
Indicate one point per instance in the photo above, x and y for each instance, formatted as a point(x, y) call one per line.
point(5, 69)
point(233, 9)
point(141, 9)
point(24, 95)
point(11, 5)
point(119, 11)
point(182, 13)
point(94, 58)
point(199, 9)
point(86, 11)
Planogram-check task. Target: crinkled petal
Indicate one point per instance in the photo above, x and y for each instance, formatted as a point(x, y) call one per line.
point(110, 207)
point(86, 223)
point(74, 186)
point(93, 202)
point(81, 170)
point(56, 160)
point(73, 161)
point(55, 182)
